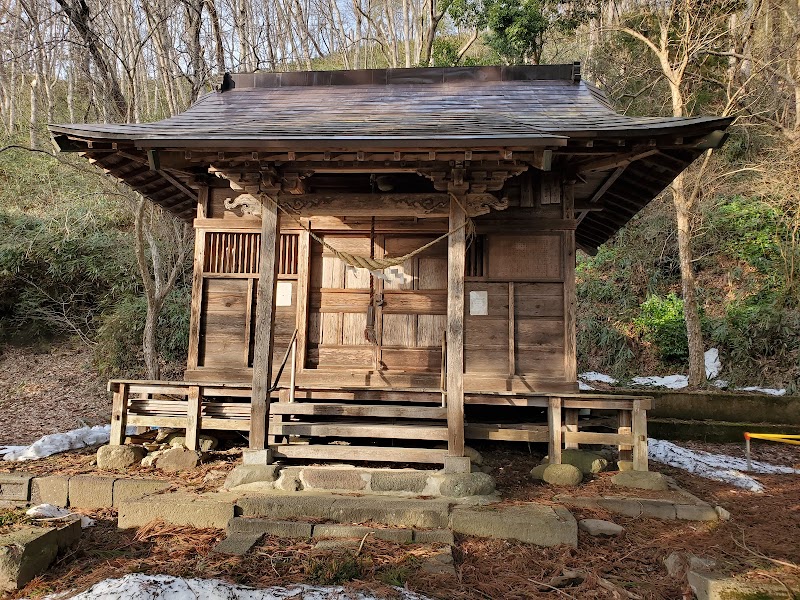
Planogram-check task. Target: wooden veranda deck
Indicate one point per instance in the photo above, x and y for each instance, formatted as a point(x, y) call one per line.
point(414, 418)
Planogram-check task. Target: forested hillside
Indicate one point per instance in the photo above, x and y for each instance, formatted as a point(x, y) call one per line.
point(719, 250)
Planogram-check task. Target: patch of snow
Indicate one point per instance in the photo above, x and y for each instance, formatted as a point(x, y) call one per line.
point(770, 391)
point(595, 376)
point(584, 387)
point(138, 586)
point(713, 364)
point(720, 383)
point(673, 382)
point(60, 442)
point(712, 466)
point(48, 511)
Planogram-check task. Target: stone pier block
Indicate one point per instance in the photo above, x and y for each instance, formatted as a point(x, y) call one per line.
point(88, 491)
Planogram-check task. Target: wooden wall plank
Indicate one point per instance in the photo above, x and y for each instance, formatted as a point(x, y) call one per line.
point(520, 257)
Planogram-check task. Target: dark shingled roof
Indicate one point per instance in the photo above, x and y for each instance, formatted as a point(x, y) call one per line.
point(470, 108)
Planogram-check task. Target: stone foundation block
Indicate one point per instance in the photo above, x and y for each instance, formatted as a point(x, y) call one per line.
point(52, 489)
point(88, 491)
point(696, 512)
point(399, 481)
point(333, 479)
point(117, 458)
point(244, 474)
point(131, 489)
point(401, 536)
point(460, 485)
point(530, 523)
point(177, 459)
point(15, 487)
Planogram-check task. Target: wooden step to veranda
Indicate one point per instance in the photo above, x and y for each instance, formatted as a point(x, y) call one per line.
point(333, 409)
point(343, 429)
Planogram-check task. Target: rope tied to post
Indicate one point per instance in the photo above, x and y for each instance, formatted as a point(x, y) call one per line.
point(373, 264)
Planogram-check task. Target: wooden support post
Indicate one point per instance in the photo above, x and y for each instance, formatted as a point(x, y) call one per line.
point(624, 421)
point(265, 318)
point(303, 274)
point(639, 426)
point(571, 424)
point(193, 418)
point(554, 426)
point(197, 282)
point(119, 414)
point(456, 248)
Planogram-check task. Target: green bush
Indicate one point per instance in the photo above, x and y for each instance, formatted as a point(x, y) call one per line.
point(119, 349)
point(661, 323)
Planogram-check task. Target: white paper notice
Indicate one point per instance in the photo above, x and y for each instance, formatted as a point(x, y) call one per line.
point(478, 303)
point(283, 293)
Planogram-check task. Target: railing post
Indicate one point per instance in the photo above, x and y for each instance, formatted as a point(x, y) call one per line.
point(119, 415)
point(639, 427)
point(554, 425)
point(193, 418)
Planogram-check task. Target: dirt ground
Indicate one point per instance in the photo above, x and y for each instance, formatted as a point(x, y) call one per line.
point(48, 391)
point(759, 541)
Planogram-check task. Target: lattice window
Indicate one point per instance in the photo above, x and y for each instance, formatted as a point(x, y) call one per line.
point(475, 259)
point(239, 253)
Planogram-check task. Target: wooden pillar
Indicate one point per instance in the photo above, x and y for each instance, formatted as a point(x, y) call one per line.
point(303, 274)
point(265, 318)
point(119, 414)
point(456, 248)
point(639, 427)
point(197, 281)
point(554, 427)
point(193, 418)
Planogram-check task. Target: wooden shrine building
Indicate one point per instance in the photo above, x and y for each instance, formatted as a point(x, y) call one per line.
point(303, 187)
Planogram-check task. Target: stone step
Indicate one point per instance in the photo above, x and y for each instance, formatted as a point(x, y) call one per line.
point(385, 510)
point(331, 409)
point(255, 527)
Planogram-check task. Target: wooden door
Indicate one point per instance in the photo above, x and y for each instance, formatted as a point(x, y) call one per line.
point(409, 316)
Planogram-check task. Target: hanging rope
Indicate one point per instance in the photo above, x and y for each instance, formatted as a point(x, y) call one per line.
point(378, 264)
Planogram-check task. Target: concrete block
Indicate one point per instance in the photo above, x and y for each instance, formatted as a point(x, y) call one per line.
point(52, 489)
point(238, 544)
point(433, 536)
point(178, 509)
point(333, 479)
point(530, 523)
point(27, 552)
point(285, 529)
point(131, 489)
point(339, 544)
point(15, 487)
point(457, 464)
point(638, 507)
point(328, 530)
point(257, 457)
point(88, 491)
point(399, 481)
point(396, 512)
point(696, 512)
point(440, 563)
point(708, 586)
point(643, 480)
point(244, 474)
